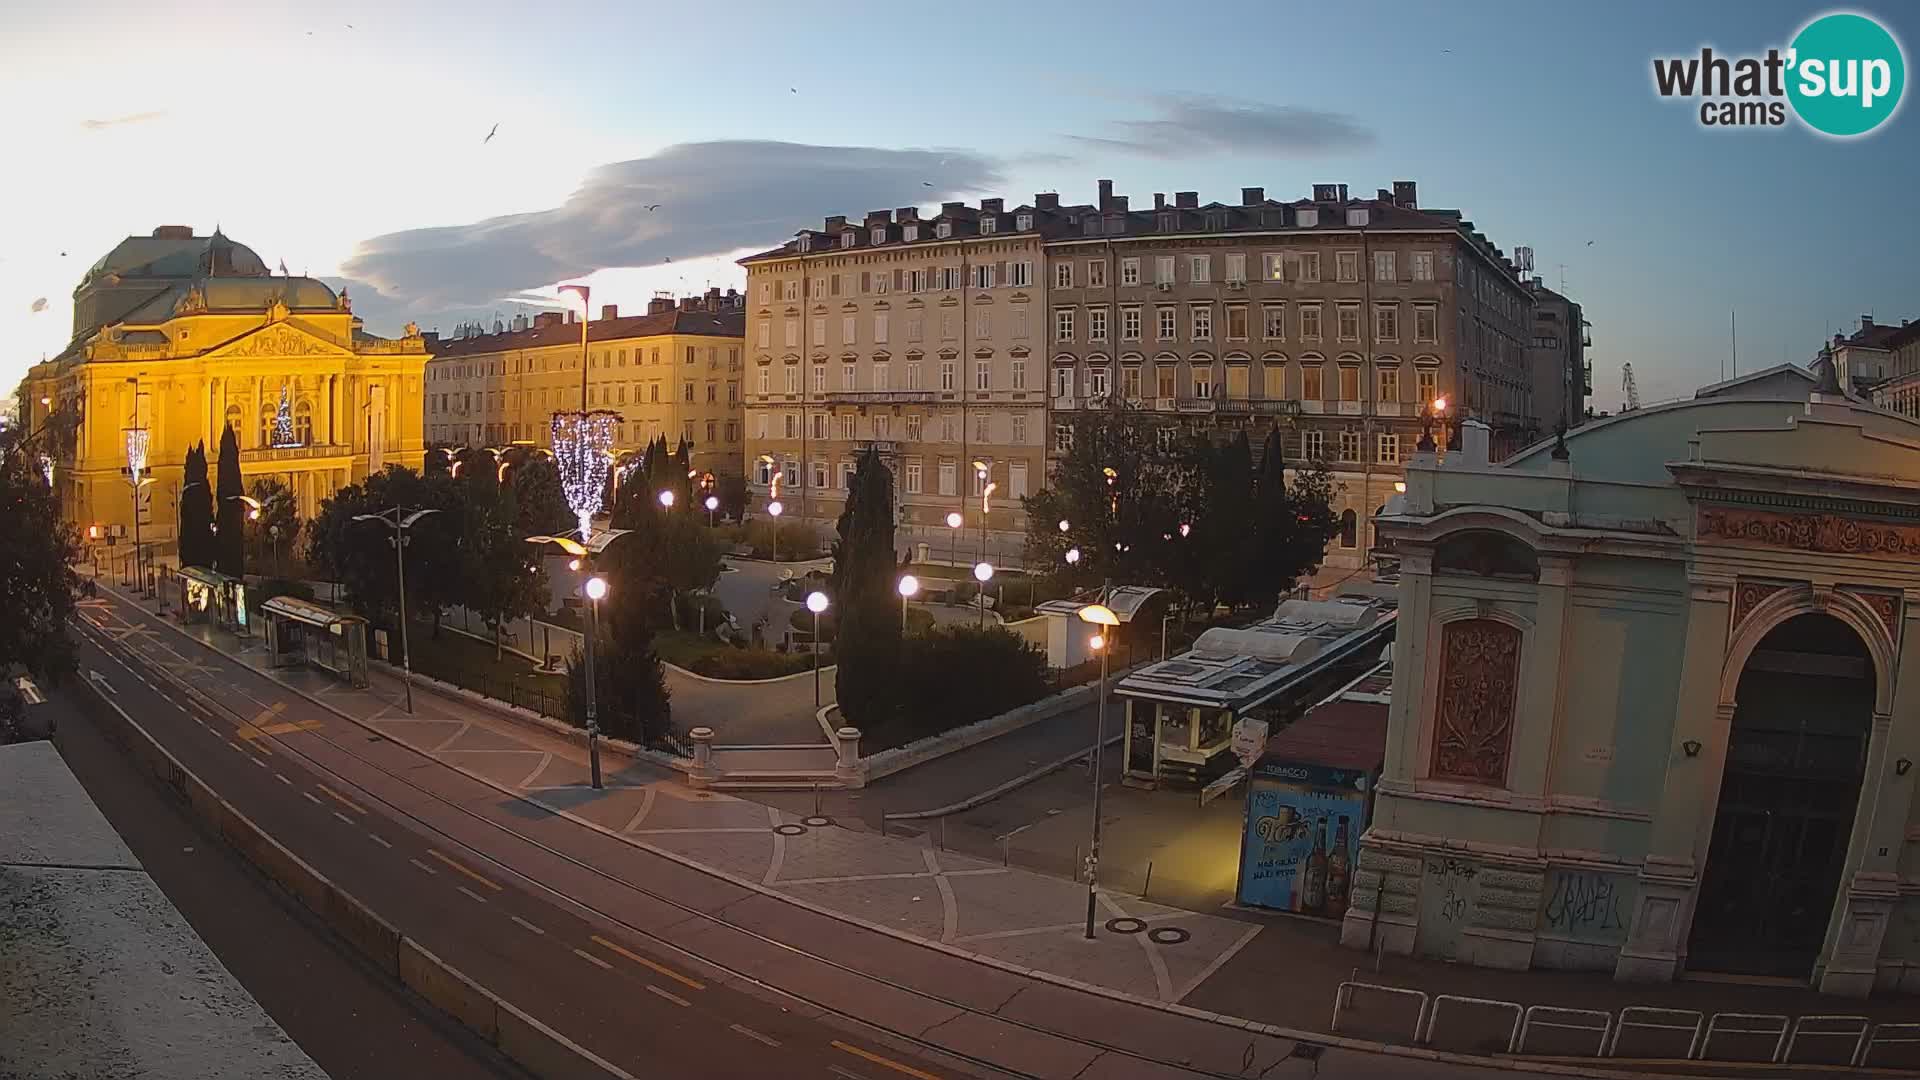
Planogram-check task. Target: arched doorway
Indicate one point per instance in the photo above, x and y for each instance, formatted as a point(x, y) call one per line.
point(1796, 754)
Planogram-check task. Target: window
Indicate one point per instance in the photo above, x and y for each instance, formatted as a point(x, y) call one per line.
point(1428, 380)
point(1273, 266)
point(1019, 428)
point(1097, 381)
point(766, 292)
point(1130, 382)
point(1389, 384)
point(1386, 322)
point(913, 374)
point(846, 426)
point(1063, 324)
point(763, 470)
point(880, 328)
point(982, 433)
point(882, 376)
point(910, 233)
point(847, 330)
point(913, 476)
point(982, 375)
point(686, 391)
point(1347, 326)
point(849, 377)
point(1019, 274)
point(1274, 319)
point(792, 289)
point(1422, 265)
point(1203, 381)
point(1236, 322)
point(1163, 270)
point(733, 431)
point(1097, 324)
point(983, 324)
point(1426, 323)
point(913, 328)
point(1310, 266)
point(819, 336)
point(713, 431)
point(882, 426)
point(817, 473)
point(1357, 217)
point(1349, 446)
point(1199, 268)
point(818, 423)
point(914, 420)
point(947, 375)
point(943, 229)
point(1312, 383)
point(792, 424)
point(766, 380)
point(1017, 473)
point(793, 333)
point(1274, 380)
point(917, 281)
point(1019, 381)
point(819, 378)
point(1062, 438)
point(1129, 271)
point(1063, 382)
point(793, 382)
point(1346, 266)
point(1383, 266)
point(1308, 218)
point(949, 278)
point(1387, 452)
point(790, 472)
point(1313, 445)
point(1166, 317)
point(1202, 317)
point(1023, 222)
point(1237, 268)
point(1063, 274)
point(1163, 378)
point(1350, 383)
point(1129, 324)
point(1020, 320)
point(1097, 274)
point(653, 356)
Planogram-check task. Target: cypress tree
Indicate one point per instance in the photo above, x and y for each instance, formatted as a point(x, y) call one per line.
point(229, 552)
point(867, 647)
point(196, 510)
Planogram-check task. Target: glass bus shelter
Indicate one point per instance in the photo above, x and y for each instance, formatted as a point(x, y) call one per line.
point(303, 633)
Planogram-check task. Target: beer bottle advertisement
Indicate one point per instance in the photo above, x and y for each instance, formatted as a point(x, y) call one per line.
point(1291, 837)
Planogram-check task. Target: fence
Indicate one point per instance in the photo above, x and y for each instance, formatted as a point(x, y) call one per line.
point(1649, 1032)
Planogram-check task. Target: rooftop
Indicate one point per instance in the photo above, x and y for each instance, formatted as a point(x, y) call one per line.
point(1240, 668)
point(718, 316)
point(1346, 731)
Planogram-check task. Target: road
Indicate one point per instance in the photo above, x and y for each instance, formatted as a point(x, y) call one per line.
point(353, 1021)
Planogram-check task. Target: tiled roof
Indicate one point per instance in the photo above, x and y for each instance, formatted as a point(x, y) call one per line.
point(707, 323)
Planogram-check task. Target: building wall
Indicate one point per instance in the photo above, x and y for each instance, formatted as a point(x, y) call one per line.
point(1556, 353)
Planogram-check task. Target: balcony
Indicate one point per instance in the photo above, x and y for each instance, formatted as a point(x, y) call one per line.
point(1388, 408)
point(260, 454)
point(1063, 403)
point(1163, 404)
point(1348, 408)
point(1313, 407)
point(879, 397)
point(1197, 405)
point(1260, 406)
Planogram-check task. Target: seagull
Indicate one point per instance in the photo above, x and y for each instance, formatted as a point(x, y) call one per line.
point(1589, 243)
point(792, 90)
point(926, 183)
point(651, 207)
point(490, 132)
point(40, 304)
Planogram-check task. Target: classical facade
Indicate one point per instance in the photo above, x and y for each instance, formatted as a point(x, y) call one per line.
point(1333, 317)
point(674, 371)
point(1657, 697)
point(184, 336)
point(921, 337)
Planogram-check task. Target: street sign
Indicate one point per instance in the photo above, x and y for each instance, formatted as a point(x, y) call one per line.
point(1249, 739)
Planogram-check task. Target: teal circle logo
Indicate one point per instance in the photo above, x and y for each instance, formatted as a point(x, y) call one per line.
point(1846, 74)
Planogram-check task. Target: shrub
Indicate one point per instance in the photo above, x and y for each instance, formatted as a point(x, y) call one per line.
point(956, 675)
point(273, 587)
point(797, 541)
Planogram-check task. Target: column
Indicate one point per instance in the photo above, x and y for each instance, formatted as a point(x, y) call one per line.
point(252, 422)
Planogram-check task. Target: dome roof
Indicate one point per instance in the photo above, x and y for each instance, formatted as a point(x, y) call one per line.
point(174, 252)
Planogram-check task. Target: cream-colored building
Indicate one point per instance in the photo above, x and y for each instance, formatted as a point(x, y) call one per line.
point(922, 337)
point(673, 372)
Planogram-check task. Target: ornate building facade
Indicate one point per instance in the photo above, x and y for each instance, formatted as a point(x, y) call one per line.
point(183, 336)
point(1657, 698)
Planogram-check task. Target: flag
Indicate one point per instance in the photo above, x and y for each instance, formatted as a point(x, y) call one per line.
point(283, 268)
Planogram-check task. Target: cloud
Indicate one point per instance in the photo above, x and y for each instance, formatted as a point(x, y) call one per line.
point(1189, 126)
point(122, 121)
point(712, 197)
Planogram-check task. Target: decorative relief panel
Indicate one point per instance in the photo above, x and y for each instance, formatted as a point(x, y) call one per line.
point(1885, 605)
point(1809, 532)
point(279, 341)
point(1749, 594)
point(1473, 719)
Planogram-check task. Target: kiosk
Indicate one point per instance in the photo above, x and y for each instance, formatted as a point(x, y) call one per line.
point(214, 598)
point(301, 633)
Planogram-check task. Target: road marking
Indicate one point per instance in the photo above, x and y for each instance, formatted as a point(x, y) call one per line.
point(283, 779)
point(258, 762)
point(309, 796)
point(463, 869)
point(887, 1062)
point(675, 998)
point(381, 840)
point(342, 799)
point(838, 1071)
point(235, 745)
point(754, 1035)
point(525, 925)
point(423, 866)
point(267, 714)
point(590, 958)
point(471, 893)
point(650, 965)
point(343, 817)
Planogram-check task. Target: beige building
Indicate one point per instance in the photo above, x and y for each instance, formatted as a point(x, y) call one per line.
point(673, 372)
point(1333, 317)
point(923, 337)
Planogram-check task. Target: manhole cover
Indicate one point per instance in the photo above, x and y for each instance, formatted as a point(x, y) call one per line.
point(1167, 935)
point(1126, 925)
point(790, 829)
point(816, 822)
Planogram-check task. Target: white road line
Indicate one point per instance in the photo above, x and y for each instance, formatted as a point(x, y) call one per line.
point(525, 925)
point(381, 840)
point(258, 762)
point(235, 745)
point(675, 998)
point(283, 779)
point(589, 957)
point(838, 1071)
point(308, 795)
point(754, 1035)
point(343, 817)
point(471, 893)
point(423, 866)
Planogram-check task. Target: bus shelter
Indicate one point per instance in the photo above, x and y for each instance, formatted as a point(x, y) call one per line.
point(303, 633)
point(214, 598)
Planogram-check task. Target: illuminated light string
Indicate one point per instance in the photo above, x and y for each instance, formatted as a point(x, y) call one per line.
point(580, 444)
point(137, 452)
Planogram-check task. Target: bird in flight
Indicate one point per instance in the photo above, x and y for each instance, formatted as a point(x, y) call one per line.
point(793, 90)
point(490, 133)
point(40, 305)
point(651, 207)
point(1589, 243)
point(926, 183)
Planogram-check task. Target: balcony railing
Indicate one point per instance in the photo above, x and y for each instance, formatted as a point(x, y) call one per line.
point(1260, 406)
point(1197, 405)
point(878, 397)
point(257, 454)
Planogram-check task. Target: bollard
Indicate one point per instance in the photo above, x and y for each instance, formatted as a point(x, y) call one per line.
point(847, 769)
point(1149, 885)
point(702, 772)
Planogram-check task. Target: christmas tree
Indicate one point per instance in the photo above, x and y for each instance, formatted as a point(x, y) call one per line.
point(283, 420)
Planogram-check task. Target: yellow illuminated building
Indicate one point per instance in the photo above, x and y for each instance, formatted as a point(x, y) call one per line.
point(183, 336)
point(673, 372)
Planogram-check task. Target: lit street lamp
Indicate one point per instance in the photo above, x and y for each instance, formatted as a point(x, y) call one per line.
point(137, 439)
point(816, 603)
point(596, 590)
point(909, 587)
point(1073, 556)
point(1103, 617)
point(983, 573)
point(712, 504)
point(666, 499)
point(954, 521)
point(399, 540)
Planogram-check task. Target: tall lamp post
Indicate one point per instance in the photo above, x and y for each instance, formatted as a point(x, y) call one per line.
point(712, 504)
point(909, 587)
point(816, 603)
point(137, 438)
point(399, 521)
point(983, 573)
point(1102, 617)
point(954, 521)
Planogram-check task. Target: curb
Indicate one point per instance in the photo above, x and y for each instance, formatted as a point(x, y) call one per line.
point(1237, 1023)
point(528, 1042)
point(993, 793)
point(789, 677)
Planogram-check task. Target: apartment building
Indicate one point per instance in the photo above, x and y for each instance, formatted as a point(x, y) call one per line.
point(921, 337)
point(1557, 354)
point(675, 371)
point(1330, 316)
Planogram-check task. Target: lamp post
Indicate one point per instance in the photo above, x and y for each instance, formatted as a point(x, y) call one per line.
point(816, 603)
point(596, 590)
point(954, 521)
point(394, 520)
point(712, 504)
point(666, 500)
point(773, 511)
point(1103, 617)
point(909, 586)
point(137, 439)
point(983, 573)
point(980, 471)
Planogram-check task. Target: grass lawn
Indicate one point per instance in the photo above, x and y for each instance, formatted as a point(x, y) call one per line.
point(716, 660)
point(469, 662)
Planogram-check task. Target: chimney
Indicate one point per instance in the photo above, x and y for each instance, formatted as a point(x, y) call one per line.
point(660, 304)
point(835, 224)
point(993, 206)
point(173, 232)
point(952, 207)
point(1476, 444)
point(689, 303)
point(1120, 204)
point(879, 217)
point(1405, 194)
point(1252, 196)
point(1048, 201)
point(1866, 322)
point(569, 316)
point(431, 338)
point(906, 214)
point(609, 311)
point(544, 319)
point(1383, 195)
point(1324, 193)
point(1106, 195)
point(1186, 200)
point(1159, 200)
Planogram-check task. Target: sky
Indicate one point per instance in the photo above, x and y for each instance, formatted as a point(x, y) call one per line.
point(646, 146)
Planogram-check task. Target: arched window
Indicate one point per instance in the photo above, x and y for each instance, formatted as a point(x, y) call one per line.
point(1349, 528)
point(303, 423)
point(233, 419)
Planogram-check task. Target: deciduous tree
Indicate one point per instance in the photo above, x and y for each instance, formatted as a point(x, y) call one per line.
point(37, 583)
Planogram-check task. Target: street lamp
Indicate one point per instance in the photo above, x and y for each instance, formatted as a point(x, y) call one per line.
point(1101, 616)
point(954, 521)
point(393, 520)
point(593, 584)
point(666, 500)
point(137, 439)
point(773, 511)
point(816, 603)
point(909, 588)
point(983, 573)
point(712, 504)
point(1073, 556)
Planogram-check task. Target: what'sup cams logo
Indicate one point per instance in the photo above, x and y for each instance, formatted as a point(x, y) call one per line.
point(1843, 76)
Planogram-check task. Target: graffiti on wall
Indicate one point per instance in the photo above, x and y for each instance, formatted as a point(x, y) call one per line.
point(1588, 905)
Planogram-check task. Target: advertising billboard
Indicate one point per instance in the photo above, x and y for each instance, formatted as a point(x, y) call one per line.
point(1302, 838)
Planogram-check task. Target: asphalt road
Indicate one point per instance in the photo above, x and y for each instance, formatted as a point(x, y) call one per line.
point(352, 1020)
